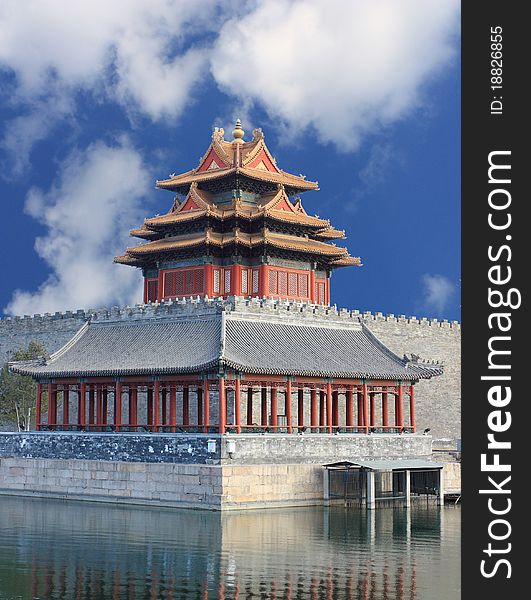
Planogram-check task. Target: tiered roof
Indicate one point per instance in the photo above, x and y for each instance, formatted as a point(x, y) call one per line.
point(213, 335)
point(237, 182)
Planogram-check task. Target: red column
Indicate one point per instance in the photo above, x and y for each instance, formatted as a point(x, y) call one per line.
point(263, 286)
point(264, 406)
point(288, 405)
point(237, 398)
point(52, 406)
point(412, 408)
point(91, 406)
point(104, 406)
point(399, 417)
point(360, 409)
point(160, 290)
point(365, 408)
point(133, 407)
point(81, 404)
point(385, 409)
point(222, 404)
point(313, 408)
point(312, 286)
point(173, 407)
point(274, 407)
point(209, 280)
point(186, 406)
point(236, 282)
point(322, 410)
point(145, 291)
point(329, 406)
point(300, 407)
point(199, 394)
point(206, 402)
point(149, 406)
point(163, 404)
point(38, 408)
point(373, 410)
point(66, 406)
point(156, 405)
point(250, 405)
point(349, 408)
point(335, 408)
point(118, 405)
point(99, 405)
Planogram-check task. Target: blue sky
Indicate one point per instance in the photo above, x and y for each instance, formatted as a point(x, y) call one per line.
point(99, 99)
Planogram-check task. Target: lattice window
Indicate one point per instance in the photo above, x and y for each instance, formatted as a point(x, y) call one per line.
point(272, 286)
point(179, 283)
point(217, 281)
point(292, 284)
point(321, 293)
point(282, 283)
point(189, 282)
point(170, 284)
point(245, 282)
point(255, 281)
point(303, 285)
point(227, 282)
point(152, 290)
point(199, 283)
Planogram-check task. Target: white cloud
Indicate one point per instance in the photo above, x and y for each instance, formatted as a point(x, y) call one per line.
point(134, 52)
point(343, 67)
point(438, 291)
point(88, 213)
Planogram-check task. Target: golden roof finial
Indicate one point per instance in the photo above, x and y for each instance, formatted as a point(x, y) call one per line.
point(238, 132)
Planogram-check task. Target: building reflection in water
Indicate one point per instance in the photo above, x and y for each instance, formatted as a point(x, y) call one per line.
point(88, 551)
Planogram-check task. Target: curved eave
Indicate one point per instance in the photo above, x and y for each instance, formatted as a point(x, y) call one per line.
point(184, 181)
point(49, 374)
point(398, 376)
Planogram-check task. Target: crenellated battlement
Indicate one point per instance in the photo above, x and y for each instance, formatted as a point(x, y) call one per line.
point(188, 305)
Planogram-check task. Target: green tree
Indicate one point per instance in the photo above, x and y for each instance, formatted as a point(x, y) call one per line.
point(17, 392)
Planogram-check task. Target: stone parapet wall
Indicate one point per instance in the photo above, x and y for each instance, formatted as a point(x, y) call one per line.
point(263, 471)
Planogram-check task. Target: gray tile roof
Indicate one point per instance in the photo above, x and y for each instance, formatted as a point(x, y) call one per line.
point(249, 341)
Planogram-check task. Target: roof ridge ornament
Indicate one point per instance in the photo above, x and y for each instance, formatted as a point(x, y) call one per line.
point(258, 134)
point(218, 134)
point(238, 132)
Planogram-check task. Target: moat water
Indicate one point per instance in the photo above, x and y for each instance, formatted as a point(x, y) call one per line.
point(82, 550)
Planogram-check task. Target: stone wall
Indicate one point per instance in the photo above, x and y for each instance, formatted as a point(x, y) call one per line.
point(264, 471)
point(438, 401)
